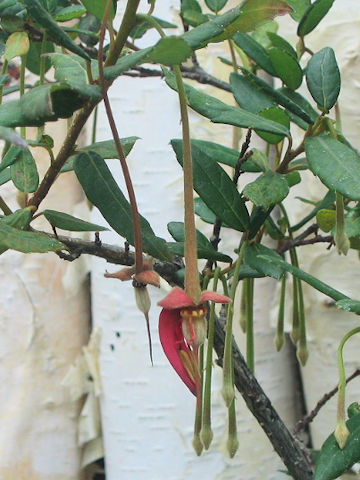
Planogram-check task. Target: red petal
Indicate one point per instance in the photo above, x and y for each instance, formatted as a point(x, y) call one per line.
point(177, 298)
point(207, 296)
point(172, 341)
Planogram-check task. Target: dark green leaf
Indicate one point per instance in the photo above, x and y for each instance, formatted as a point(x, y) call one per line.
point(202, 252)
point(299, 100)
point(255, 51)
point(24, 173)
point(286, 67)
point(194, 18)
point(350, 306)
point(126, 63)
point(252, 259)
point(68, 222)
point(257, 219)
point(170, 51)
point(261, 32)
point(33, 56)
point(306, 277)
point(219, 112)
point(313, 16)
point(215, 187)
point(97, 8)
point(203, 211)
point(267, 190)
point(27, 242)
point(248, 94)
point(215, 5)
point(278, 97)
point(10, 136)
point(337, 165)
point(299, 8)
point(323, 78)
point(5, 176)
point(38, 13)
point(69, 13)
point(106, 149)
point(10, 157)
point(293, 178)
point(90, 23)
point(102, 190)
point(143, 25)
point(49, 5)
point(332, 461)
point(69, 70)
point(41, 104)
point(282, 44)
point(278, 115)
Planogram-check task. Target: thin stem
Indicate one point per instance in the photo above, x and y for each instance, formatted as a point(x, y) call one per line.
point(280, 337)
point(120, 151)
point(250, 325)
point(94, 125)
point(42, 65)
point(192, 286)
point(22, 88)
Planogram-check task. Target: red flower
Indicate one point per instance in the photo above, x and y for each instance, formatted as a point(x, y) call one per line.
point(182, 329)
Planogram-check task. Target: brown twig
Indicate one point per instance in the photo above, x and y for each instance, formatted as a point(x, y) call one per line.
point(301, 424)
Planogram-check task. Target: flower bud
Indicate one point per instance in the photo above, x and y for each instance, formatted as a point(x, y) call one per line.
point(341, 433)
point(194, 325)
point(142, 299)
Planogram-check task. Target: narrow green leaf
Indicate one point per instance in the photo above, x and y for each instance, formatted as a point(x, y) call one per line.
point(350, 306)
point(278, 97)
point(251, 257)
point(41, 104)
point(69, 70)
point(203, 211)
point(68, 222)
point(267, 190)
point(97, 8)
point(313, 16)
point(248, 94)
point(299, 8)
point(278, 115)
point(10, 136)
point(170, 51)
point(306, 277)
point(282, 44)
point(143, 25)
point(202, 252)
point(287, 67)
point(28, 242)
point(106, 149)
point(328, 200)
point(17, 45)
point(5, 176)
point(69, 13)
point(215, 187)
point(255, 51)
point(102, 190)
point(299, 100)
point(33, 56)
point(38, 13)
point(332, 461)
point(92, 24)
point(219, 112)
point(10, 157)
point(258, 217)
point(126, 63)
point(216, 5)
point(24, 173)
point(323, 78)
point(49, 5)
point(337, 165)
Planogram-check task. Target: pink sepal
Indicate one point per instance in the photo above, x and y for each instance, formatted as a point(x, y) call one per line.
point(208, 296)
point(172, 341)
point(177, 298)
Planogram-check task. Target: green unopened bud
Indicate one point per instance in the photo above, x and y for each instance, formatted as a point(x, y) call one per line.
point(206, 436)
point(197, 444)
point(232, 445)
point(228, 392)
point(341, 433)
point(194, 325)
point(302, 354)
point(279, 341)
point(142, 298)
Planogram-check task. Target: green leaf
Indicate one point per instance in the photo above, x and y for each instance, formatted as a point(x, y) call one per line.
point(17, 45)
point(69, 13)
point(215, 5)
point(24, 173)
point(267, 190)
point(326, 202)
point(126, 63)
point(254, 50)
point(68, 70)
point(204, 247)
point(278, 97)
point(33, 56)
point(92, 24)
point(282, 44)
point(286, 67)
point(27, 242)
point(257, 219)
point(170, 51)
point(326, 219)
point(224, 155)
point(215, 187)
point(251, 257)
point(10, 157)
point(337, 165)
point(106, 149)
point(10, 136)
point(41, 104)
point(278, 115)
point(97, 8)
point(219, 112)
point(306, 277)
point(323, 78)
point(313, 16)
point(350, 306)
point(5, 176)
point(248, 94)
point(143, 25)
point(332, 461)
point(68, 222)
point(38, 13)
point(102, 190)
point(299, 100)
point(299, 8)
